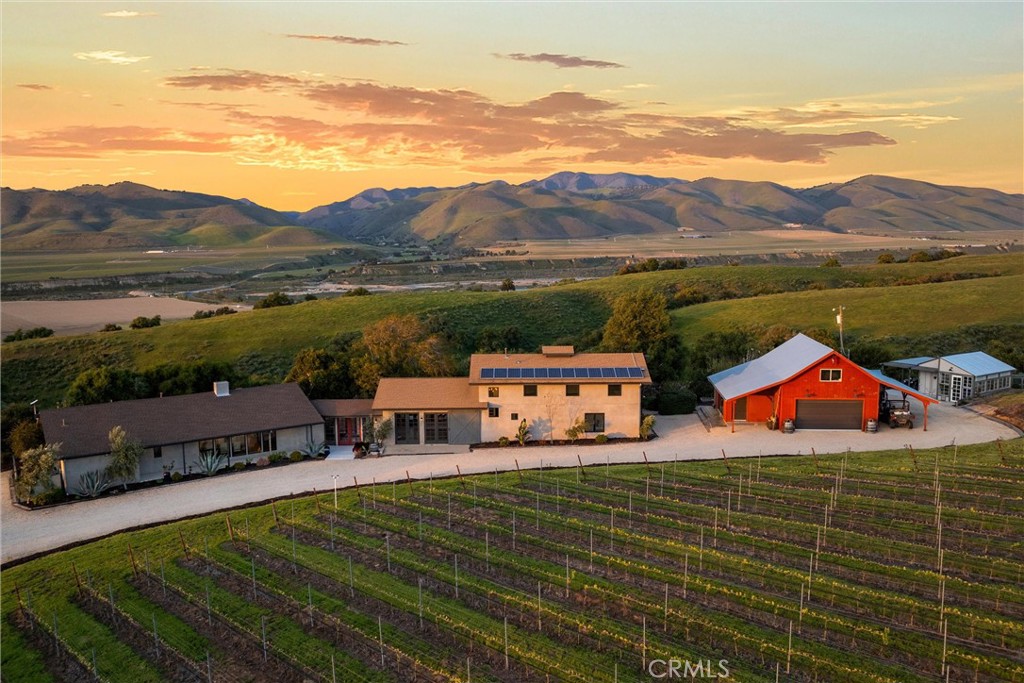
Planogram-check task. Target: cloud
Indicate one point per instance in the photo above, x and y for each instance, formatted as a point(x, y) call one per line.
point(232, 79)
point(638, 86)
point(94, 141)
point(348, 40)
point(35, 86)
point(109, 57)
point(127, 14)
point(561, 61)
point(338, 125)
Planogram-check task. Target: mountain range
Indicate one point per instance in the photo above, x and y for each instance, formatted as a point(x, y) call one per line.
point(563, 205)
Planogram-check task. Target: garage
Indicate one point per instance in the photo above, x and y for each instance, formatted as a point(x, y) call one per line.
point(817, 414)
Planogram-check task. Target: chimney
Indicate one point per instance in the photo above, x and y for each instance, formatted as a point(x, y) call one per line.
point(221, 389)
point(557, 351)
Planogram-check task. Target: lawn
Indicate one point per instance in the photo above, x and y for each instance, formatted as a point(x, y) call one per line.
point(896, 566)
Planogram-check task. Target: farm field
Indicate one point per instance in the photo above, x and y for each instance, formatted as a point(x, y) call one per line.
point(263, 343)
point(891, 566)
point(746, 242)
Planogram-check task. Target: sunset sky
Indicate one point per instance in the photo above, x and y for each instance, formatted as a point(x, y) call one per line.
point(293, 105)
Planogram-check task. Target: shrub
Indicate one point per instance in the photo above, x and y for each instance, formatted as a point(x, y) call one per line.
point(601, 438)
point(177, 476)
point(91, 484)
point(831, 262)
point(34, 333)
point(223, 310)
point(238, 466)
point(209, 463)
point(358, 291)
point(647, 427)
point(576, 431)
point(110, 327)
point(296, 456)
point(142, 322)
point(276, 457)
point(262, 462)
point(503, 441)
point(886, 257)
point(272, 300)
point(523, 433)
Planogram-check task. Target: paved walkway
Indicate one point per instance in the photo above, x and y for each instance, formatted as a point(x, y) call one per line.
point(24, 533)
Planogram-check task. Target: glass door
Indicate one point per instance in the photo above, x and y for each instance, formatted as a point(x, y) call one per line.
point(956, 388)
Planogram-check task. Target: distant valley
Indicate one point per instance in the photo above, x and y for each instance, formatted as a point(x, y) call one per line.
point(562, 206)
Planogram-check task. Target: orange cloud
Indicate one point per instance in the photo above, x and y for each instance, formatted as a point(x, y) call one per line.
point(94, 141)
point(34, 86)
point(232, 79)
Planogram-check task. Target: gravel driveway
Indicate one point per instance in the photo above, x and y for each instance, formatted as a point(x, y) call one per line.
point(24, 533)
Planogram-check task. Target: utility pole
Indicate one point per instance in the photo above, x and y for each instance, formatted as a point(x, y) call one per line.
point(839, 321)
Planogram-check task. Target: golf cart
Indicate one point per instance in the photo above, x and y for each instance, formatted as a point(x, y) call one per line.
point(895, 411)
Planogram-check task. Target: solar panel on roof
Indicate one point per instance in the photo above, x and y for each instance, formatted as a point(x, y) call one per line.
point(529, 372)
point(541, 373)
point(635, 372)
point(593, 372)
point(607, 372)
point(515, 372)
point(487, 373)
point(621, 372)
point(500, 373)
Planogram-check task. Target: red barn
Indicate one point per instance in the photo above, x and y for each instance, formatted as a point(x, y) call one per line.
point(807, 382)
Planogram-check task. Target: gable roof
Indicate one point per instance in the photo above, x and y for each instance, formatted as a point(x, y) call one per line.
point(84, 430)
point(516, 362)
point(908, 362)
point(784, 361)
point(426, 393)
point(978, 363)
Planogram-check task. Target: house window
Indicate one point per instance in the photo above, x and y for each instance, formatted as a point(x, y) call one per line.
point(435, 427)
point(492, 392)
point(615, 390)
point(407, 428)
point(515, 417)
point(529, 390)
point(158, 451)
point(572, 389)
point(492, 411)
point(831, 375)
point(593, 422)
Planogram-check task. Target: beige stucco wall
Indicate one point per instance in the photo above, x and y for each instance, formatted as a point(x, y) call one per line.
point(551, 412)
point(463, 425)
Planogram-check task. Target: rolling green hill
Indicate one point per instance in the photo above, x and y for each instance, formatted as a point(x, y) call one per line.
point(263, 343)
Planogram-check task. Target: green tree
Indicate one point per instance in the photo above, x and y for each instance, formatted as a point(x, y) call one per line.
point(323, 373)
point(273, 300)
point(11, 416)
point(831, 262)
point(26, 435)
point(508, 285)
point(101, 385)
point(886, 257)
point(399, 346)
point(498, 339)
point(125, 454)
point(640, 322)
point(143, 322)
point(638, 318)
point(36, 468)
point(175, 379)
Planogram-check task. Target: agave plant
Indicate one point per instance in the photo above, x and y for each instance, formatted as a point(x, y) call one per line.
point(314, 449)
point(210, 463)
point(92, 484)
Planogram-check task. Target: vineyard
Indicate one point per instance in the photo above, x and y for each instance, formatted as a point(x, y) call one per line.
point(898, 566)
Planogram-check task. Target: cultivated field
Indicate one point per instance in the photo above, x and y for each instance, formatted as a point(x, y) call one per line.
point(896, 566)
point(90, 315)
point(747, 242)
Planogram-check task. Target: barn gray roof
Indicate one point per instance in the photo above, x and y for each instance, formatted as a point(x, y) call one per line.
point(778, 365)
point(84, 430)
point(978, 363)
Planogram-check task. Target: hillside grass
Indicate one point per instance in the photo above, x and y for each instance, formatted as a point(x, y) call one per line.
point(263, 343)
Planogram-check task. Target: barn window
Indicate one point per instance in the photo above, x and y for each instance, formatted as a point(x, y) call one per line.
point(492, 392)
point(831, 375)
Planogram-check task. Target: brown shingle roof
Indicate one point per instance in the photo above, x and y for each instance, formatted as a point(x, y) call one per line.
point(344, 407)
point(426, 393)
point(479, 361)
point(178, 419)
